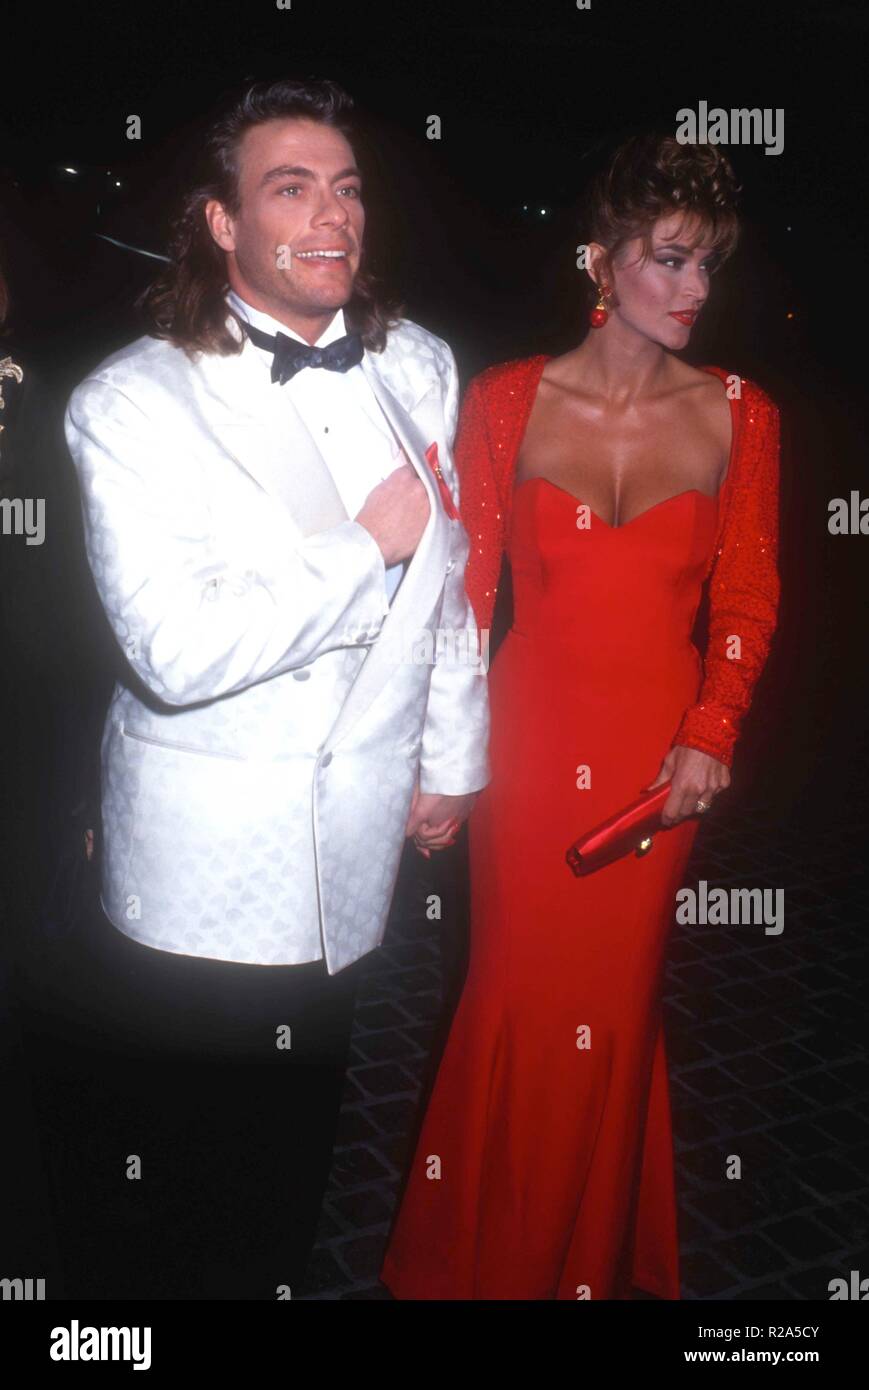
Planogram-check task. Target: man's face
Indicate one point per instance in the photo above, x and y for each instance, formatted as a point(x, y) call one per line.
point(294, 245)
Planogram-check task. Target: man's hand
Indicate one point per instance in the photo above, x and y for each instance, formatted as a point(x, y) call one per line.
point(396, 513)
point(434, 820)
point(696, 777)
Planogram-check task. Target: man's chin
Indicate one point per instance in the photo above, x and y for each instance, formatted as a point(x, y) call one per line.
point(321, 299)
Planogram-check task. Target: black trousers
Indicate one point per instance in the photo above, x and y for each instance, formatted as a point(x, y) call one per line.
point(187, 1109)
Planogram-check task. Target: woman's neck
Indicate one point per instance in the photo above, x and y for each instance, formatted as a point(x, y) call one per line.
point(620, 365)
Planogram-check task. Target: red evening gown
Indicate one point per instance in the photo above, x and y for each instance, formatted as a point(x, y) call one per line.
point(544, 1168)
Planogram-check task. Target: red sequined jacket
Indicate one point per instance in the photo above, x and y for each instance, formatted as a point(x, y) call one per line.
point(744, 588)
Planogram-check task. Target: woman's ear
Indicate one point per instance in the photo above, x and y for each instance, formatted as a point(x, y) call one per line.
point(598, 265)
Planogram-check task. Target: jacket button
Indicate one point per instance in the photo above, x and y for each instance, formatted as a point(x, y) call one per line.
point(301, 675)
point(451, 564)
point(326, 759)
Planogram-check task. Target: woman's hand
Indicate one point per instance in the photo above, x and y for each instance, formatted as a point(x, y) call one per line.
point(696, 776)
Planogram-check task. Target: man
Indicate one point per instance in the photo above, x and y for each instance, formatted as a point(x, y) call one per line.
point(269, 505)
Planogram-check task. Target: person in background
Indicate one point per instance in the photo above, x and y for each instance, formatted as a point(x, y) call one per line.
point(33, 797)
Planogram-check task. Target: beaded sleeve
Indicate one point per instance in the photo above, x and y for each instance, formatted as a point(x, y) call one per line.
point(744, 588)
point(492, 424)
point(481, 466)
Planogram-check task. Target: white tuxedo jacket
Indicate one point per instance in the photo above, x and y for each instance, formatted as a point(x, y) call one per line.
point(258, 767)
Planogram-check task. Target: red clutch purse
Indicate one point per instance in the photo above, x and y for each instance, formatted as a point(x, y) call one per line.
point(630, 829)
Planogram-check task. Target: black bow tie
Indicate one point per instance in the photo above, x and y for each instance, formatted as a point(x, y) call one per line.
point(290, 357)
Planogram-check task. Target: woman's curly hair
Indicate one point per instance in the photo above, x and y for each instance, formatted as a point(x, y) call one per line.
point(653, 176)
point(186, 303)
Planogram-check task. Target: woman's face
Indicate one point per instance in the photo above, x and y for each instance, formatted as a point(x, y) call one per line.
point(661, 297)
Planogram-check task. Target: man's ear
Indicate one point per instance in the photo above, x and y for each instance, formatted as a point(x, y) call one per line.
point(220, 224)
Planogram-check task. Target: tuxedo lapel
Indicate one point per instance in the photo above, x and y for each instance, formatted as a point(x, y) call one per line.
point(425, 574)
point(418, 592)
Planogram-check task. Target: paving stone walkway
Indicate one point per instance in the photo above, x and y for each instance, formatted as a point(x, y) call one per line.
point(766, 1039)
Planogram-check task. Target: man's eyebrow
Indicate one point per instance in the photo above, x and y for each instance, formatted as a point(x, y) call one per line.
point(298, 171)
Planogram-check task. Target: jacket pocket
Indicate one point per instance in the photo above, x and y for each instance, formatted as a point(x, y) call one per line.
point(180, 747)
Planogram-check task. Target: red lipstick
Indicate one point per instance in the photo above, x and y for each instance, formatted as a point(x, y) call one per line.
point(686, 316)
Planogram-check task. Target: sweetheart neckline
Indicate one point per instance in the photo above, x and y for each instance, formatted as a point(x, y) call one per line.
point(539, 478)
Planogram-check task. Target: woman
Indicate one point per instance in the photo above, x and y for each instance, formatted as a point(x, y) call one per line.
point(618, 478)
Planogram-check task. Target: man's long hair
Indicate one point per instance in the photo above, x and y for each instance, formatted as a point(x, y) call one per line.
point(186, 303)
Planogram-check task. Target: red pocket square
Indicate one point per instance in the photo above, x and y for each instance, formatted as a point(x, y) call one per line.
point(431, 455)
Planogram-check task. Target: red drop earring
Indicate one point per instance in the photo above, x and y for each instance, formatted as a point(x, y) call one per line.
point(600, 313)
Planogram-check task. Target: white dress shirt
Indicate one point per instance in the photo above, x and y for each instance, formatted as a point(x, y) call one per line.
point(343, 416)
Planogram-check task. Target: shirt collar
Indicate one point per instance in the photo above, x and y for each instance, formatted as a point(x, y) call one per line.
point(333, 330)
